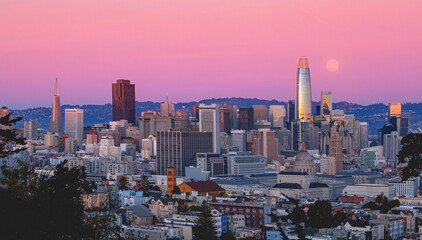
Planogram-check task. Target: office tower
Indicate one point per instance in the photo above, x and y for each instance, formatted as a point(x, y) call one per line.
point(303, 99)
point(203, 160)
point(284, 139)
point(404, 126)
point(74, 123)
point(124, 101)
point(245, 163)
point(362, 136)
point(171, 180)
point(277, 116)
point(326, 104)
point(50, 140)
point(150, 124)
point(92, 137)
point(167, 108)
point(260, 113)
point(336, 148)
point(181, 119)
point(239, 139)
point(290, 111)
point(386, 129)
point(56, 124)
point(391, 147)
point(246, 118)
point(395, 109)
point(265, 143)
point(30, 131)
point(318, 110)
point(177, 149)
point(225, 121)
point(69, 145)
point(304, 132)
point(108, 149)
point(232, 109)
point(209, 121)
point(195, 111)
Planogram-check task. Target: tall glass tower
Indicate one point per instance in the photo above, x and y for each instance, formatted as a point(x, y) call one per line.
point(303, 98)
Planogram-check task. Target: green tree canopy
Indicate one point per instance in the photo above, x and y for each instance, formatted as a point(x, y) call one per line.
point(411, 153)
point(122, 183)
point(320, 215)
point(382, 203)
point(204, 228)
point(8, 135)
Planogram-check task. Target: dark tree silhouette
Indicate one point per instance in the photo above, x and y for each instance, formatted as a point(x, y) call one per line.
point(411, 153)
point(204, 228)
point(176, 190)
point(8, 136)
point(145, 186)
point(123, 182)
point(227, 236)
point(320, 215)
point(382, 203)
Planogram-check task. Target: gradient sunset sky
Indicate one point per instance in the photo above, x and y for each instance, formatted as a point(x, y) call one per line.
point(196, 49)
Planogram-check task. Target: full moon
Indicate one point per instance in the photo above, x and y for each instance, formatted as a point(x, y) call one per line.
point(332, 65)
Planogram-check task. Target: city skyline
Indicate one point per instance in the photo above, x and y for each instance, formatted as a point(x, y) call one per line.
point(358, 53)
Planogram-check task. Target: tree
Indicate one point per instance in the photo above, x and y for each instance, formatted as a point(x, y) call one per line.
point(204, 228)
point(176, 190)
point(382, 203)
point(8, 136)
point(100, 224)
point(297, 217)
point(145, 186)
point(123, 182)
point(320, 215)
point(32, 204)
point(411, 153)
point(227, 236)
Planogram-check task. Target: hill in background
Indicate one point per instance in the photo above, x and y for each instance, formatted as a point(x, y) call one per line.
point(375, 114)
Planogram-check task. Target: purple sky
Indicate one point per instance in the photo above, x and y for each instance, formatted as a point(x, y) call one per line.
point(210, 48)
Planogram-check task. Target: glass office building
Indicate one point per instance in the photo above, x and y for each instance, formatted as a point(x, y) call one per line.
point(303, 98)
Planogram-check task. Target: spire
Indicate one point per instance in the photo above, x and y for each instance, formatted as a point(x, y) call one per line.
point(302, 62)
point(56, 88)
point(167, 97)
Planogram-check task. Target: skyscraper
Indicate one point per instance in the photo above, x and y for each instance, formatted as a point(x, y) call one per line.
point(239, 139)
point(209, 121)
point(303, 98)
point(30, 131)
point(124, 101)
point(167, 108)
point(246, 118)
point(260, 113)
point(326, 103)
point(56, 124)
point(290, 111)
point(395, 109)
point(74, 123)
point(391, 147)
point(177, 149)
point(277, 115)
point(336, 148)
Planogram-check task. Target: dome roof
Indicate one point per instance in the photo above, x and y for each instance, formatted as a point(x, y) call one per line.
point(304, 156)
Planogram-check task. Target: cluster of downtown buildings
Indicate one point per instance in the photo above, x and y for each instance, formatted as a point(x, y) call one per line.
point(241, 160)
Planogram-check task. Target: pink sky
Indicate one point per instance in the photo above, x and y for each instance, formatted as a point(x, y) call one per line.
point(196, 49)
